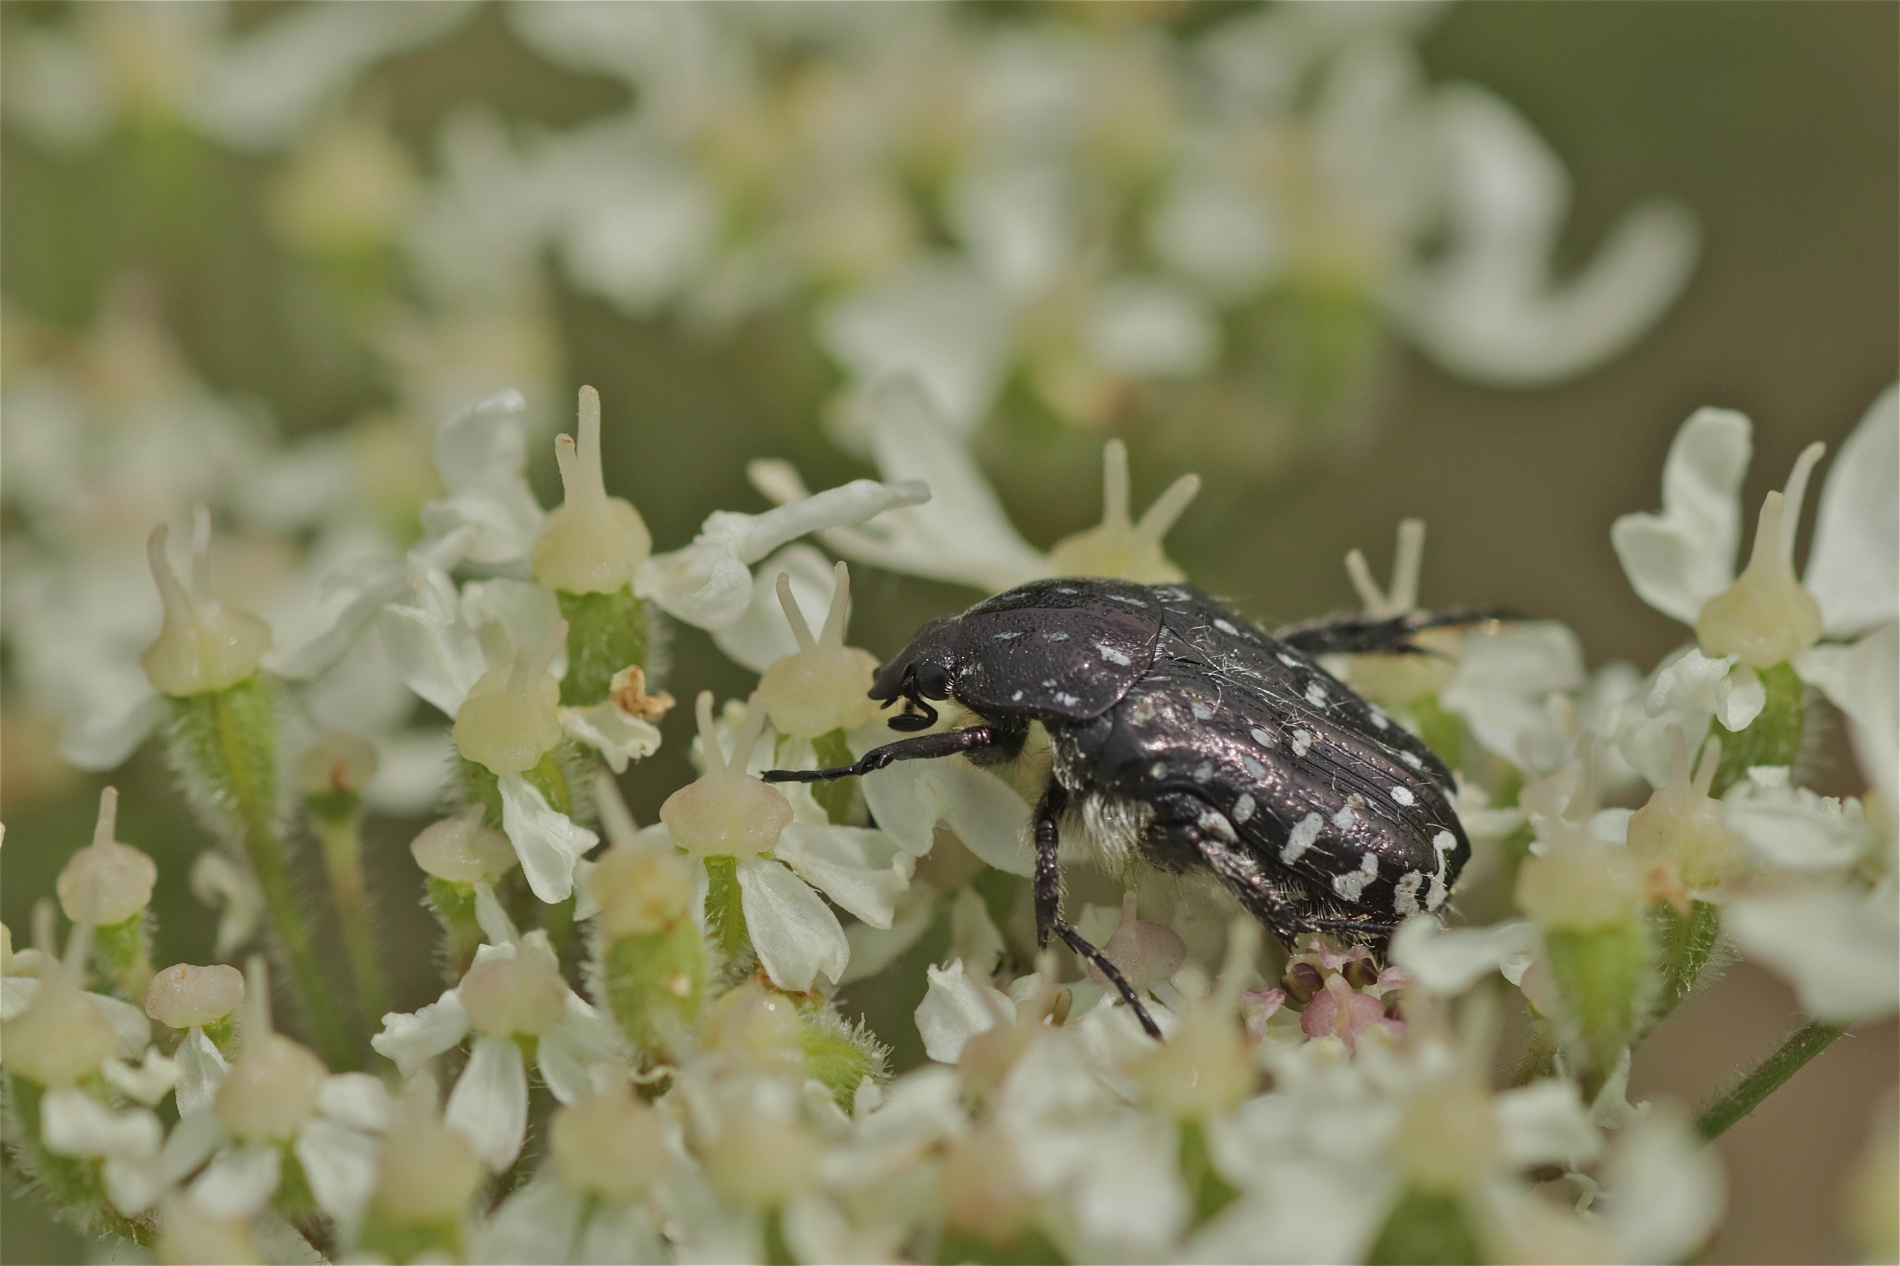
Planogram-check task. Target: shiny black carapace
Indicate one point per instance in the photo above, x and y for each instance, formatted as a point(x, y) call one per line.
point(1186, 738)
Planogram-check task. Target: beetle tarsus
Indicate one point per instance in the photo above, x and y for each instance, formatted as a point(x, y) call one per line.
point(1073, 939)
point(923, 747)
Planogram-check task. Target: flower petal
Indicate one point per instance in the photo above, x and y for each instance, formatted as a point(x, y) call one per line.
point(1503, 686)
point(1794, 829)
point(862, 870)
point(1679, 559)
point(1854, 564)
point(481, 452)
point(795, 933)
point(106, 740)
point(1840, 948)
point(618, 737)
point(239, 1182)
point(568, 1053)
point(943, 325)
point(340, 1165)
point(410, 1039)
point(434, 652)
point(543, 1213)
point(874, 949)
point(357, 1100)
point(761, 637)
point(489, 1105)
point(1860, 681)
point(73, 1123)
point(1545, 1123)
point(956, 1007)
point(149, 1082)
point(202, 1069)
point(548, 843)
point(1662, 1189)
point(1449, 961)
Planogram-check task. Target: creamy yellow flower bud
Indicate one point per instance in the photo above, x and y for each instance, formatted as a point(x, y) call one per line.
point(427, 1173)
point(462, 850)
point(727, 812)
point(760, 1162)
point(754, 1027)
point(641, 890)
point(1766, 617)
point(511, 717)
point(1682, 826)
point(339, 764)
point(1118, 547)
point(62, 1035)
point(184, 997)
point(272, 1088)
point(203, 645)
point(593, 542)
point(106, 882)
point(1579, 884)
point(1449, 1142)
point(825, 685)
point(524, 994)
point(610, 1145)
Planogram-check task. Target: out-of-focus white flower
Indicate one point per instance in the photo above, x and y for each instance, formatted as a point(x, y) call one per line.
point(1506, 684)
point(1839, 947)
point(1792, 828)
point(481, 452)
point(1449, 961)
point(218, 881)
point(1141, 327)
point(513, 991)
point(1860, 681)
point(1663, 1189)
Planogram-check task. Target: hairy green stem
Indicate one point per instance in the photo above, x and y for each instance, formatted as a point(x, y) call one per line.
point(257, 817)
point(1766, 1077)
point(342, 839)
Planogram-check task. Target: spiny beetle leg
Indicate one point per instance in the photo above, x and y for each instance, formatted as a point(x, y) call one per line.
point(1073, 939)
point(923, 747)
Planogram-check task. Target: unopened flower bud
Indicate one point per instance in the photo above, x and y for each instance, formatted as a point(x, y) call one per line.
point(727, 812)
point(524, 994)
point(106, 882)
point(760, 1162)
point(755, 1027)
point(339, 765)
point(824, 685)
point(1449, 1142)
point(593, 542)
point(511, 716)
point(462, 850)
point(1766, 617)
point(1121, 548)
point(203, 645)
point(1301, 982)
point(1146, 954)
point(427, 1173)
point(273, 1086)
point(1580, 885)
point(1683, 826)
point(642, 890)
point(611, 1145)
point(185, 997)
point(62, 1035)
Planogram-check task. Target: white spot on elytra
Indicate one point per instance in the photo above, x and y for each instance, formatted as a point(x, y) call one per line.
point(1064, 589)
point(1351, 885)
point(1253, 767)
point(1261, 737)
point(1066, 700)
point(1053, 636)
point(1203, 772)
point(1217, 825)
point(1048, 682)
point(1348, 813)
point(1017, 697)
point(1144, 709)
point(1112, 655)
point(1302, 739)
point(1225, 626)
point(1201, 711)
point(1379, 719)
point(1133, 602)
point(1289, 661)
point(1157, 771)
point(1442, 844)
point(1405, 895)
point(1403, 796)
point(1412, 760)
point(1315, 695)
point(1301, 837)
point(1004, 637)
point(1243, 808)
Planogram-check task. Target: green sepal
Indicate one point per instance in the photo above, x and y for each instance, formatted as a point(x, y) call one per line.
point(1773, 738)
point(725, 916)
point(1604, 978)
point(1209, 1192)
point(1426, 1229)
point(605, 633)
point(454, 906)
point(124, 950)
point(223, 1034)
point(840, 1057)
point(1685, 947)
point(379, 1237)
point(481, 786)
point(655, 986)
point(1031, 1248)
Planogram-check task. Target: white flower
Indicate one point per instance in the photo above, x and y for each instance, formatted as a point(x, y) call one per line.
point(956, 1007)
point(1506, 684)
point(1860, 681)
point(514, 989)
point(1840, 948)
point(1791, 828)
point(481, 452)
point(1662, 1189)
point(1449, 961)
point(709, 584)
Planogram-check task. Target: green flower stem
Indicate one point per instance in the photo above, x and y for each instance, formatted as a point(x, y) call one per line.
point(1766, 1077)
point(725, 913)
point(1209, 1192)
point(454, 906)
point(340, 833)
point(835, 798)
point(605, 633)
point(1601, 976)
point(1773, 738)
point(125, 951)
point(241, 720)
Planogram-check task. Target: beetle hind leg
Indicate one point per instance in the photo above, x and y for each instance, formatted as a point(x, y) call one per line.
point(1048, 892)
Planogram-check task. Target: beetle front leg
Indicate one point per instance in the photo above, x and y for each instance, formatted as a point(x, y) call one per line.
point(1048, 893)
point(923, 747)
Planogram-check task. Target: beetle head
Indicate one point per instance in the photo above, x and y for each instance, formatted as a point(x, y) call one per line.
point(921, 672)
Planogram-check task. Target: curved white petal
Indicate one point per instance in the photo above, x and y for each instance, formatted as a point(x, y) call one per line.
point(147, 1083)
point(548, 843)
point(1854, 565)
point(1794, 829)
point(1503, 687)
point(531, 1223)
point(1663, 1190)
point(522, 608)
point(357, 1100)
point(105, 739)
point(795, 933)
point(956, 1007)
point(432, 650)
point(1545, 1123)
point(1860, 681)
point(218, 881)
point(340, 1165)
point(1839, 948)
point(945, 325)
point(1449, 961)
point(618, 737)
point(202, 1071)
point(73, 1123)
point(239, 1182)
point(862, 870)
point(568, 1053)
point(1679, 559)
point(874, 949)
point(489, 1105)
point(761, 637)
point(628, 1233)
point(132, 1027)
point(481, 452)
point(410, 1039)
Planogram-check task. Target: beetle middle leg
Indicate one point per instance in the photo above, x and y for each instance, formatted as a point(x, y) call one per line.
point(1048, 893)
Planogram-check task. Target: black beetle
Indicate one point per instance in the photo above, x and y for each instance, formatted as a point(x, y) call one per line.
point(1185, 737)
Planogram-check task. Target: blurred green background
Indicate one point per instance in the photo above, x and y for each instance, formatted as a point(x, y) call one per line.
point(1776, 122)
